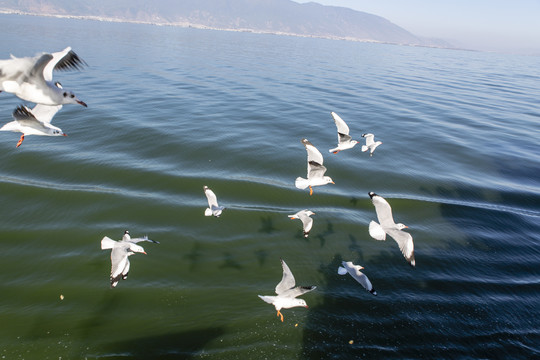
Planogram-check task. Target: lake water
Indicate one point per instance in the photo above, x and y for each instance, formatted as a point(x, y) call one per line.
point(173, 109)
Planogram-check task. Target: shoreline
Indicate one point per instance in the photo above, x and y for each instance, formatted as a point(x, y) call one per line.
point(205, 27)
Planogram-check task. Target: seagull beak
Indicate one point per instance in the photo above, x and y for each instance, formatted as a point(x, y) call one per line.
point(307, 307)
point(144, 252)
point(64, 134)
point(333, 183)
point(82, 103)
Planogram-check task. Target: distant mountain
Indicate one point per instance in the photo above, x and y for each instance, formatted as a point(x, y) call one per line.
point(268, 16)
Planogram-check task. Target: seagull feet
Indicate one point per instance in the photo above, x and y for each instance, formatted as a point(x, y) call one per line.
point(280, 315)
point(20, 141)
point(335, 152)
point(310, 190)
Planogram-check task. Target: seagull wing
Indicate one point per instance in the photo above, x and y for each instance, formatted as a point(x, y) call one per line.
point(212, 199)
point(119, 259)
point(354, 271)
point(62, 60)
point(384, 211)
point(45, 113)
point(299, 290)
point(307, 222)
point(342, 128)
point(313, 155)
point(315, 170)
point(405, 243)
point(287, 281)
point(25, 118)
point(144, 238)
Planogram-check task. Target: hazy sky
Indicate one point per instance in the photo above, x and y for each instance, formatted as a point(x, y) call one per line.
point(498, 25)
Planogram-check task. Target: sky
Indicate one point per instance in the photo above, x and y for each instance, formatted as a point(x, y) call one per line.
point(490, 25)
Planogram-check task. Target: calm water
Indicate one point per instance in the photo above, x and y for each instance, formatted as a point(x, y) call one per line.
point(172, 109)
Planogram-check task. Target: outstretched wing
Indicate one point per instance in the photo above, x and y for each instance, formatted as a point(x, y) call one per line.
point(62, 60)
point(144, 238)
point(211, 197)
point(45, 113)
point(383, 209)
point(405, 243)
point(313, 155)
point(342, 128)
point(299, 290)
point(287, 281)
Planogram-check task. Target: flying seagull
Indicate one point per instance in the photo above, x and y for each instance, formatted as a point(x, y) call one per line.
point(287, 291)
point(307, 222)
point(121, 250)
point(31, 78)
point(370, 143)
point(345, 141)
point(387, 225)
point(34, 122)
point(354, 270)
point(213, 207)
point(315, 169)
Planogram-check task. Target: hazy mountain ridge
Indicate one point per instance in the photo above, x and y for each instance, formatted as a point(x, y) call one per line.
point(269, 16)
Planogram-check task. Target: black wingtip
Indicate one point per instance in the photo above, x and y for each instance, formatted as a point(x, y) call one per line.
point(373, 292)
point(22, 111)
point(372, 194)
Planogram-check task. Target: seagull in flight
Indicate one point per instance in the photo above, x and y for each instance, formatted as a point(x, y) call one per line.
point(315, 169)
point(31, 78)
point(386, 225)
point(121, 250)
point(287, 291)
point(307, 222)
point(345, 141)
point(370, 143)
point(34, 122)
point(354, 270)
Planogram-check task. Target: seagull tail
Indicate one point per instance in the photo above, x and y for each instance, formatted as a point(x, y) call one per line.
point(364, 148)
point(301, 183)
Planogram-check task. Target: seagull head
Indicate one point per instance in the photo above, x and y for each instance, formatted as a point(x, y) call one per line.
point(328, 180)
point(69, 97)
point(134, 248)
point(401, 226)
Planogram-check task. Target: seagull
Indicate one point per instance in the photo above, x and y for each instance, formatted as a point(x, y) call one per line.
point(315, 169)
point(121, 250)
point(287, 291)
point(345, 141)
point(354, 271)
point(213, 207)
point(34, 122)
point(370, 144)
point(307, 222)
point(387, 226)
point(30, 78)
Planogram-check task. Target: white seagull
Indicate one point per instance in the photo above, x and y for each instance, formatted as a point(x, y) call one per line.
point(30, 78)
point(315, 169)
point(345, 141)
point(213, 207)
point(307, 222)
point(287, 291)
point(121, 250)
point(388, 226)
point(370, 143)
point(34, 122)
point(354, 271)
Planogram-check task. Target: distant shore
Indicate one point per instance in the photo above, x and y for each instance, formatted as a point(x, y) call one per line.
point(204, 27)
